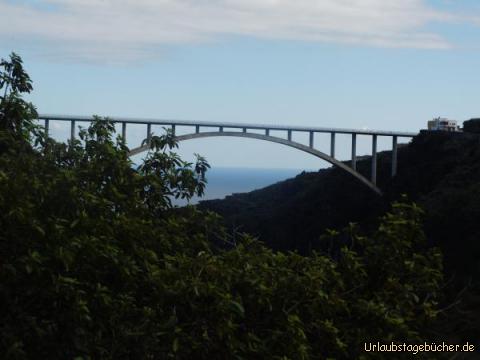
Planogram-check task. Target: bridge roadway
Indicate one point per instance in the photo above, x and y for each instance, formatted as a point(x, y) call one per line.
point(224, 129)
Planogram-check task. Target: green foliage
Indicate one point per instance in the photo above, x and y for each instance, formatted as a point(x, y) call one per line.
point(252, 302)
point(96, 264)
point(16, 114)
point(166, 174)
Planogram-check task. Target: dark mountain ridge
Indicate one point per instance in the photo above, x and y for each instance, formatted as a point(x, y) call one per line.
point(438, 170)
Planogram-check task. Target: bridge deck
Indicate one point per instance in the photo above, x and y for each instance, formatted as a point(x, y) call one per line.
point(231, 125)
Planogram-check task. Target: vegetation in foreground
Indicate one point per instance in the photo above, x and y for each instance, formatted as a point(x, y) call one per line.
point(96, 264)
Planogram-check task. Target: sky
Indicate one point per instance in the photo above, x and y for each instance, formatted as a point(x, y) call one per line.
point(370, 64)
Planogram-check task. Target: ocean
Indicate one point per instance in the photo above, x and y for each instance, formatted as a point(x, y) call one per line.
point(223, 181)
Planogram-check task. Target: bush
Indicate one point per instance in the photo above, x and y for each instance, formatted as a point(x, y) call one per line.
point(97, 264)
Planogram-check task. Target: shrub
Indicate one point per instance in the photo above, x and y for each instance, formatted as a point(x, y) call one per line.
point(97, 264)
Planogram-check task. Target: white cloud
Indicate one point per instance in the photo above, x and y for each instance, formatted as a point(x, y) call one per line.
point(100, 29)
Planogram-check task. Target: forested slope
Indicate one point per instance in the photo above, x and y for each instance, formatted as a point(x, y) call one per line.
point(440, 171)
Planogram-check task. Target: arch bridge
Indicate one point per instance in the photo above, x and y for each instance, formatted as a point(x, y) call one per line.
point(215, 129)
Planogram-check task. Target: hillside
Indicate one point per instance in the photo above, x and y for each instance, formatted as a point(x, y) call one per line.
point(440, 171)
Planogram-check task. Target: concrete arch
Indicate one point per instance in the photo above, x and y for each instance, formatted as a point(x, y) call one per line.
point(277, 140)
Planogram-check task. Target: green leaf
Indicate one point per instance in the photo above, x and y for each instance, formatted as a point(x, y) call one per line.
point(237, 308)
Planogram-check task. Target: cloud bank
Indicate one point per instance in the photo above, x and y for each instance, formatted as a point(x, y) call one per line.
point(132, 29)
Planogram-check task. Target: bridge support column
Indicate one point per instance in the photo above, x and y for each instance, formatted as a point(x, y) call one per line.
point(374, 159)
point(220, 129)
point(72, 130)
point(197, 129)
point(47, 126)
point(173, 130)
point(394, 155)
point(289, 135)
point(332, 145)
point(267, 132)
point(354, 152)
point(244, 130)
point(149, 133)
point(311, 139)
point(124, 132)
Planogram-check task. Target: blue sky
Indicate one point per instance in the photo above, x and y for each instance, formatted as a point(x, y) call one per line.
point(377, 64)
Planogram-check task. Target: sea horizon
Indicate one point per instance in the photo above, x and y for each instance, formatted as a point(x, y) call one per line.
point(223, 181)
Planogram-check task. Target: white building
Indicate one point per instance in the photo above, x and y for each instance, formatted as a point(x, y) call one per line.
point(443, 124)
